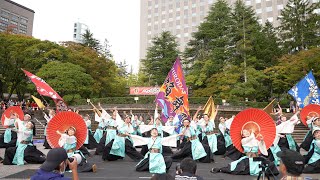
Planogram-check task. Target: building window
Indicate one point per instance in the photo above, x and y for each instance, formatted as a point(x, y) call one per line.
point(163, 21)
point(270, 19)
point(3, 25)
point(149, 24)
point(280, 6)
point(178, 36)
point(23, 26)
point(75, 30)
point(15, 17)
point(258, 11)
point(170, 19)
point(22, 31)
point(4, 19)
point(178, 27)
point(258, 1)
point(149, 32)
point(210, 1)
point(178, 18)
point(24, 20)
point(14, 23)
point(186, 7)
point(186, 34)
point(74, 35)
point(5, 13)
point(248, 3)
point(269, 9)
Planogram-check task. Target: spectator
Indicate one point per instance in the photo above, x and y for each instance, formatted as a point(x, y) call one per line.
point(291, 164)
point(55, 165)
point(187, 170)
point(162, 177)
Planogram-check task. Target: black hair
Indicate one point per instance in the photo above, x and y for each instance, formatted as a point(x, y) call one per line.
point(162, 177)
point(188, 165)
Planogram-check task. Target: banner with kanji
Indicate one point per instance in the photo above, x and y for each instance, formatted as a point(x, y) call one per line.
point(306, 91)
point(45, 90)
point(173, 95)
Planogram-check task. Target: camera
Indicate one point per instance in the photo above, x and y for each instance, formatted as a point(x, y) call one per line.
point(77, 157)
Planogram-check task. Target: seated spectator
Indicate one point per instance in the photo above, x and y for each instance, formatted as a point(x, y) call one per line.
point(55, 165)
point(291, 164)
point(188, 168)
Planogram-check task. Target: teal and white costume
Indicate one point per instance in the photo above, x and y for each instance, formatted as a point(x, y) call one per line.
point(226, 136)
point(207, 133)
point(121, 145)
point(69, 143)
point(285, 129)
point(25, 151)
point(312, 159)
point(251, 147)
point(193, 147)
point(100, 129)
point(153, 161)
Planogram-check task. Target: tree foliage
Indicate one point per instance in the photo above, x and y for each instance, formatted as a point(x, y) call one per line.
point(67, 79)
point(160, 57)
point(18, 51)
point(300, 27)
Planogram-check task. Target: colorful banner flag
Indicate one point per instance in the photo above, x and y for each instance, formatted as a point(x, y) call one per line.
point(210, 109)
point(45, 90)
point(306, 91)
point(173, 95)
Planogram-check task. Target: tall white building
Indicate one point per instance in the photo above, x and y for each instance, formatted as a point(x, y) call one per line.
point(78, 30)
point(182, 17)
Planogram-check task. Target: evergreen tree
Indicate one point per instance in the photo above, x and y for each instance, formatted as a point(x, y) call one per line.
point(300, 26)
point(90, 41)
point(211, 46)
point(160, 58)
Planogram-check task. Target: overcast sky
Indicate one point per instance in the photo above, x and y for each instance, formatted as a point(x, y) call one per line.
point(116, 20)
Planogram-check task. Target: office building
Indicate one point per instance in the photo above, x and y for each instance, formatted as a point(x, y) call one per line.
point(182, 17)
point(78, 30)
point(16, 18)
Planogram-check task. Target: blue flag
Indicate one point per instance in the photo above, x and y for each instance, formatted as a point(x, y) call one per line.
point(306, 91)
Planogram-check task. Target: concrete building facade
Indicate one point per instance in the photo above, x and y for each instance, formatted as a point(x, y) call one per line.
point(78, 30)
point(182, 17)
point(15, 17)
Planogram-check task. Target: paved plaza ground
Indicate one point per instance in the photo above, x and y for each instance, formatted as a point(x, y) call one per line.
point(122, 170)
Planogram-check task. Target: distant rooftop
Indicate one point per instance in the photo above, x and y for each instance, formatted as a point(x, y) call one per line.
point(28, 9)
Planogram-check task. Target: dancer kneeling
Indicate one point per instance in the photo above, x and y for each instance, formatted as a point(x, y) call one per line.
point(192, 146)
point(68, 141)
point(121, 144)
point(69, 131)
point(312, 159)
point(153, 161)
point(25, 150)
point(248, 131)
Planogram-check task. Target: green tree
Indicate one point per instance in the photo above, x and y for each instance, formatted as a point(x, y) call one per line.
point(18, 51)
point(90, 41)
point(211, 46)
point(67, 79)
point(300, 26)
point(103, 71)
point(160, 57)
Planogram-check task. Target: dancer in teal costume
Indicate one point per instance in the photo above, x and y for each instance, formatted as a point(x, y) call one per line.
point(154, 161)
point(25, 150)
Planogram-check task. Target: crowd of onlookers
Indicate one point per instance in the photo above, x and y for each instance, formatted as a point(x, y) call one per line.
point(25, 105)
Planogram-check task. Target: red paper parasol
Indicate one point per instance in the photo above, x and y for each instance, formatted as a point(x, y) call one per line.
point(63, 121)
point(8, 111)
point(255, 119)
point(312, 110)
